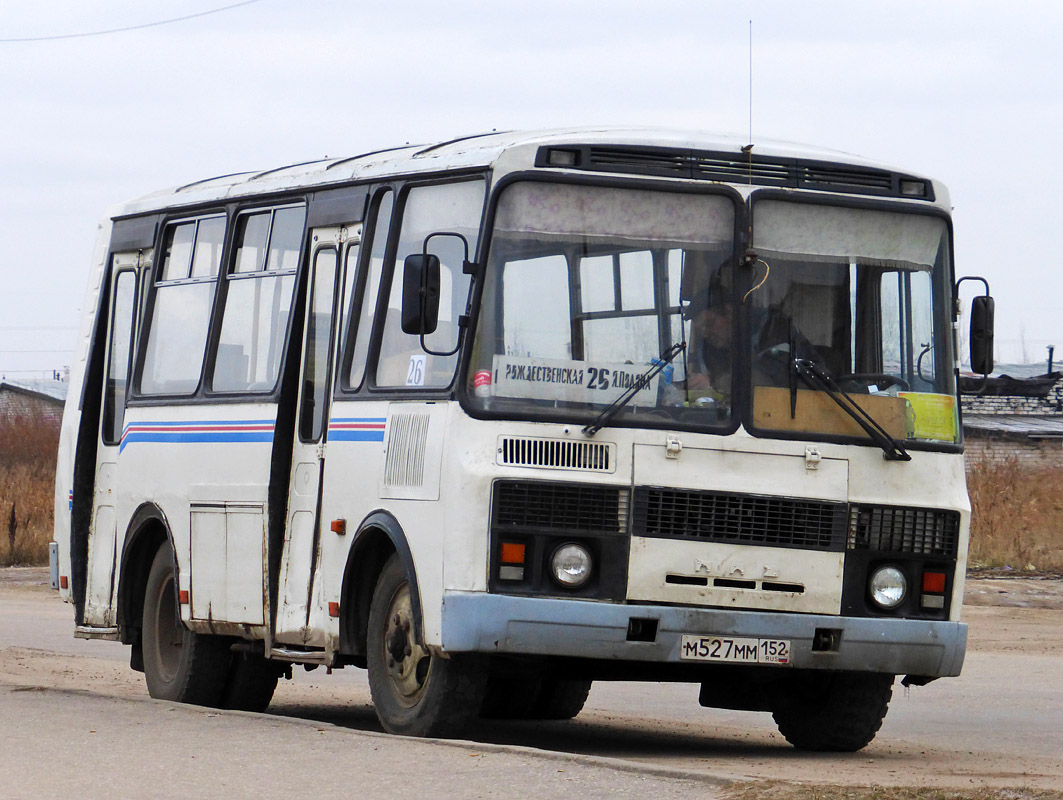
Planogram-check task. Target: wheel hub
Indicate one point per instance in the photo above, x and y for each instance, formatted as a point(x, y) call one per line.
point(407, 661)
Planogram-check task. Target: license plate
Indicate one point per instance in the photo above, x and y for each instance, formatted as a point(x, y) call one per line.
point(736, 650)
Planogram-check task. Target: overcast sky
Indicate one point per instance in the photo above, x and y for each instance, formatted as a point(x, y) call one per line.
point(968, 92)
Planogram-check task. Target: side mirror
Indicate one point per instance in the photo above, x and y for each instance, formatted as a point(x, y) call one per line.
point(982, 308)
point(420, 293)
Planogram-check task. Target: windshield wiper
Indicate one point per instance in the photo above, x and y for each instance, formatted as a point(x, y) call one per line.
point(892, 450)
point(640, 383)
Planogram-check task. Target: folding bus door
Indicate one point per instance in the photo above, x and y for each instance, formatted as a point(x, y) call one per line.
point(103, 533)
point(301, 552)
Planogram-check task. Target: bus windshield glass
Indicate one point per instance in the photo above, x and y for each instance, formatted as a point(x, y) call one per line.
point(860, 296)
point(585, 288)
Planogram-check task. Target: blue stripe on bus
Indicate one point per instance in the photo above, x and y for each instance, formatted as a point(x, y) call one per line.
point(198, 431)
point(356, 436)
point(357, 429)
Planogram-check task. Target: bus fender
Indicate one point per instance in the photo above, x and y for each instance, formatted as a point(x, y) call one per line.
point(147, 530)
point(378, 535)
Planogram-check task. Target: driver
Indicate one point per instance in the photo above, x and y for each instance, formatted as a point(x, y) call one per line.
point(710, 362)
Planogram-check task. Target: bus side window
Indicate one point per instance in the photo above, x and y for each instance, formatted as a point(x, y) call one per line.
point(365, 289)
point(119, 356)
point(621, 285)
point(184, 295)
point(451, 208)
point(258, 300)
point(543, 330)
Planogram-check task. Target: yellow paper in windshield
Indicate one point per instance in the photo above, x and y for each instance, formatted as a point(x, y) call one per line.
point(933, 416)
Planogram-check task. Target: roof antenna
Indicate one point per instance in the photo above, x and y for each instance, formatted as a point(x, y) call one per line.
point(750, 256)
point(749, 147)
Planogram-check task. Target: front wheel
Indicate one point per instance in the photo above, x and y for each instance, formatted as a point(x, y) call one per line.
point(415, 692)
point(831, 711)
point(178, 664)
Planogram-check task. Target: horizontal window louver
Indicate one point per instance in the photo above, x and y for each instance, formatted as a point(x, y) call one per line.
point(918, 531)
point(515, 451)
point(530, 506)
point(739, 519)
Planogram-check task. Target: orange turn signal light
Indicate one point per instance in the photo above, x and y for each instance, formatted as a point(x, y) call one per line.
point(64, 582)
point(512, 553)
point(182, 597)
point(934, 582)
point(333, 609)
point(339, 526)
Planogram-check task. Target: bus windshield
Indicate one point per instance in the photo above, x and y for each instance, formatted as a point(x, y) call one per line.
point(860, 296)
point(585, 288)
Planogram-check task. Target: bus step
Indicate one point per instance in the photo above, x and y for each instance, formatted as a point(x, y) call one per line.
point(299, 656)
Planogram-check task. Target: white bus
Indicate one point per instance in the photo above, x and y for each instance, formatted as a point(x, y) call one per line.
point(501, 416)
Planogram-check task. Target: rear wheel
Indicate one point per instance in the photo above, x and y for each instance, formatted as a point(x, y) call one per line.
point(560, 699)
point(178, 664)
point(415, 692)
point(510, 697)
point(251, 682)
point(831, 711)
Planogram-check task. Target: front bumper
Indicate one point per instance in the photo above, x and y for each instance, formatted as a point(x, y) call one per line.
point(491, 623)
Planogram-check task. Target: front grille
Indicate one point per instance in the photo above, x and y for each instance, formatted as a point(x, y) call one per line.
point(894, 529)
point(739, 519)
point(527, 506)
point(520, 451)
point(755, 169)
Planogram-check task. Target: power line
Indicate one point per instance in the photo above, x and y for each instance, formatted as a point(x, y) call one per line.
point(22, 352)
point(127, 28)
point(38, 327)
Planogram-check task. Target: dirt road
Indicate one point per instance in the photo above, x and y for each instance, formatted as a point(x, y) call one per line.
point(999, 724)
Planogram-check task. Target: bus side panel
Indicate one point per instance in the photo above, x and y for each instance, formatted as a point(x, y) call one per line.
point(208, 468)
point(385, 456)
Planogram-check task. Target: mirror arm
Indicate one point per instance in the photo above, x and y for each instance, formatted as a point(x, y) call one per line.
point(956, 302)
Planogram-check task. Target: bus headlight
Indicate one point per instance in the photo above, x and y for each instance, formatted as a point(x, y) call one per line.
point(571, 565)
point(888, 587)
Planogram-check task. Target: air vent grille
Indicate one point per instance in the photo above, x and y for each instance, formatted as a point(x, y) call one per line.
point(519, 451)
point(796, 173)
point(919, 531)
point(739, 519)
point(407, 442)
point(838, 177)
point(522, 506)
point(658, 162)
point(738, 170)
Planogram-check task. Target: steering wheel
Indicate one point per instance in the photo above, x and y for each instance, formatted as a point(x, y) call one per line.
point(879, 379)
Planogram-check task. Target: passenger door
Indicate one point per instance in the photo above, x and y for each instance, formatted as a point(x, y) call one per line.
point(103, 533)
point(301, 551)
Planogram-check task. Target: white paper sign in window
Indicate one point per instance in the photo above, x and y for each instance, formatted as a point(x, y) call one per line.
point(570, 381)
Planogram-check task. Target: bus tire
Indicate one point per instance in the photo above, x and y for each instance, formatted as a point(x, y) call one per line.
point(415, 692)
point(832, 711)
point(510, 698)
point(559, 698)
point(251, 682)
point(179, 665)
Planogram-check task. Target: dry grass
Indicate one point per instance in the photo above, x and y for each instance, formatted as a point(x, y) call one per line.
point(28, 446)
point(1017, 516)
point(767, 790)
